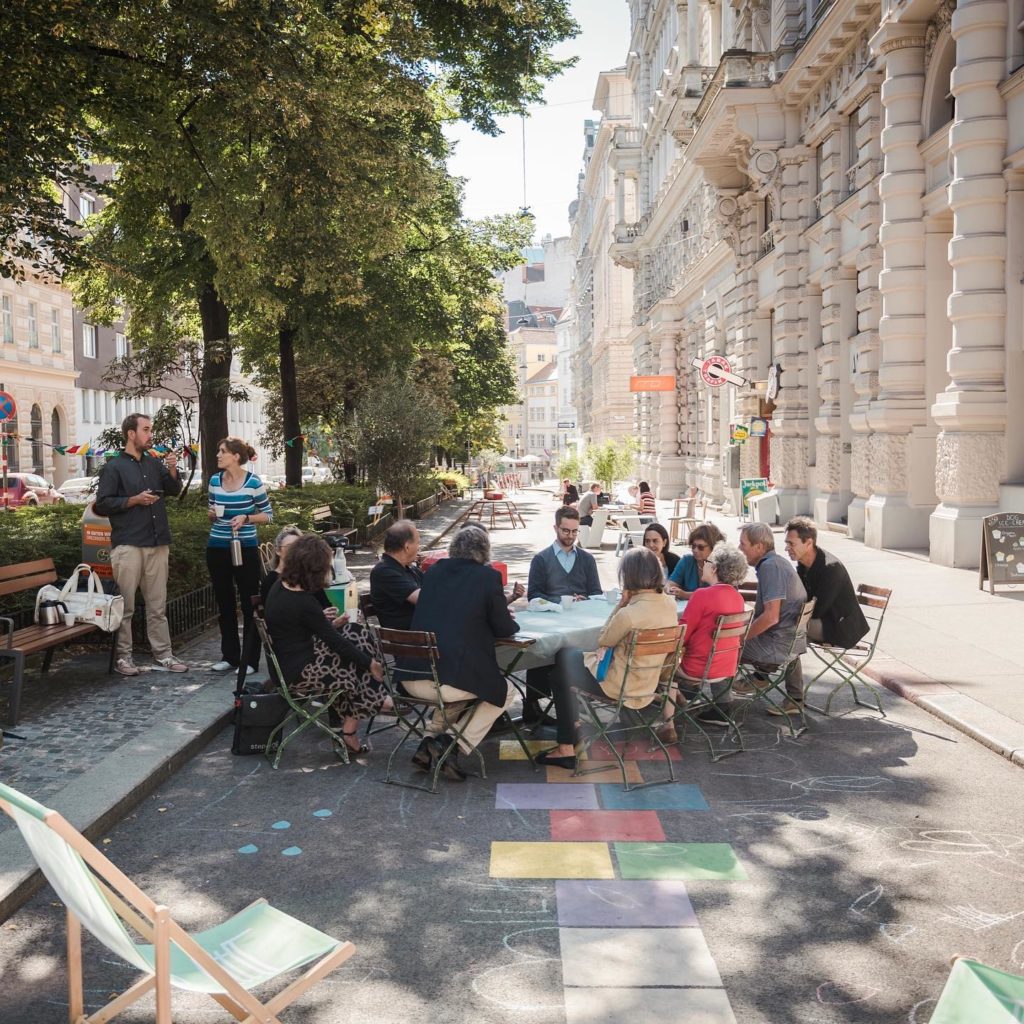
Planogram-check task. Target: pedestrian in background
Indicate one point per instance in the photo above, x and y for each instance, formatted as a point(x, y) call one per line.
point(130, 493)
point(237, 503)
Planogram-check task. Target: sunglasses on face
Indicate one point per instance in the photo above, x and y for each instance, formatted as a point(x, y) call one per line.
point(698, 545)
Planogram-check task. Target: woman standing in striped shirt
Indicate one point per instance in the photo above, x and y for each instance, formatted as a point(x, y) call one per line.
point(238, 501)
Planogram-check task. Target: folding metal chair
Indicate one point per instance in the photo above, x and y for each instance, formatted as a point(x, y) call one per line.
point(311, 710)
point(268, 556)
point(412, 711)
point(729, 634)
point(225, 962)
point(606, 714)
point(975, 993)
point(769, 681)
point(850, 662)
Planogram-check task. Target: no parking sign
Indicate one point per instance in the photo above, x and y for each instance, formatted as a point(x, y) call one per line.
point(8, 407)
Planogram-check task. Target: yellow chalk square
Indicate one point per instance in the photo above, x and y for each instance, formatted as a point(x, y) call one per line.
point(551, 860)
point(609, 773)
point(511, 751)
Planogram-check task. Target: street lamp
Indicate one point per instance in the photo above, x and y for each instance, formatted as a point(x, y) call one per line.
point(518, 444)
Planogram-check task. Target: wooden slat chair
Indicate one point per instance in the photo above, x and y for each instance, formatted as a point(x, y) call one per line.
point(849, 663)
point(769, 682)
point(605, 717)
point(748, 588)
point(307, 711)
point(226, 962)
point(268, 556)
point(19, 644)
point(412, 712)
point(729, 634)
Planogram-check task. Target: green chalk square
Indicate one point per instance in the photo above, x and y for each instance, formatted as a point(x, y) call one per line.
point(683, 861)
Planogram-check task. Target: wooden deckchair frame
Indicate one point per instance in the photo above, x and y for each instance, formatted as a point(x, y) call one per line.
point(154, 923)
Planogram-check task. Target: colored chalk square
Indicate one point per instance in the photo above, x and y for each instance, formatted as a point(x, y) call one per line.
point(647, 1006)
point(551, 860)
point(596, 826)
point(543, 796)
point(324, 813)
point(634, 750)
point(637, 957)
point(610, 772)
point(509, 750)
point(672, 797)
point(281, 824)
point(597, 904)
point(248, 848)
point(679, 861)
point(291, 851)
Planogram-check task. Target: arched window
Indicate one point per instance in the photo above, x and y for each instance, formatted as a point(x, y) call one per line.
point(939, 105)
point(36, 430)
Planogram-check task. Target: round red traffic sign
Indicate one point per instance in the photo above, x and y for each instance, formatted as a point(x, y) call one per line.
point(8, 408)
point(713, 371)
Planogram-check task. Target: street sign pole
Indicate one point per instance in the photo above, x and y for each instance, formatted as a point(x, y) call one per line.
point(8, 409)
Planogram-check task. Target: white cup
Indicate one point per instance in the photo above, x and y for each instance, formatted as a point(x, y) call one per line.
point(69, 618)
point(567, 602)
point(611, 596)
point(218, 510)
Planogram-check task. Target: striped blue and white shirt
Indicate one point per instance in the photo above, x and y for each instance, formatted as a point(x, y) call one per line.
point(249, 499)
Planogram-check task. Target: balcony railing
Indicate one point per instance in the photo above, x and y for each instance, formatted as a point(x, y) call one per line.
point(626, 138)
point(766, 243)
point(738, 69)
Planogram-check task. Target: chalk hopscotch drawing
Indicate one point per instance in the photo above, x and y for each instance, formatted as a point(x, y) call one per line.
point(974, 919)
point(866, 900)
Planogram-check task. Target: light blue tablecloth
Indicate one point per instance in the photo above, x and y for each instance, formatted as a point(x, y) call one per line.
point(578, 627)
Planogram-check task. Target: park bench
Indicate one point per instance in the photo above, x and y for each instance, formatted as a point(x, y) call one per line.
point(18, 644)
point(324, 522)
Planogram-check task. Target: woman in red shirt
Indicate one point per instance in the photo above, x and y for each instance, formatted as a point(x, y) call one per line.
point(724, 570)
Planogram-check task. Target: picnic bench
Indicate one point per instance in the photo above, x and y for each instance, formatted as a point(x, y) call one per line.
point(325, 522)
point(18, 644)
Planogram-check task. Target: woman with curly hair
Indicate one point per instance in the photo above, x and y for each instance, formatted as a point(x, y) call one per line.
point(318, 658)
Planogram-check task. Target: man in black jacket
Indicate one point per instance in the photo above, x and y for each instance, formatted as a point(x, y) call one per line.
point(838, 619)
point(131, 493)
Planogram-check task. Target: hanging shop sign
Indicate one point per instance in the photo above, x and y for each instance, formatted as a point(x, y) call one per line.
point(716, 371)
point(738, 433)
point(751, 488)
point(774, 382)
point(657, 382)
point(758, 426)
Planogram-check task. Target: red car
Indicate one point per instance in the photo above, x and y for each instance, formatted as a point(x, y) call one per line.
point(28, 489)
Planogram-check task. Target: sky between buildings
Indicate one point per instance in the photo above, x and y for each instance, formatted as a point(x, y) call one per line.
point(493, 167)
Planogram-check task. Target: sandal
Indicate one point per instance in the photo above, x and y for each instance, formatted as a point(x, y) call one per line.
point(362, 748)
point(666, 732)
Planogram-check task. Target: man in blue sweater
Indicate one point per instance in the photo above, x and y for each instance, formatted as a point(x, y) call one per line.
point(560, 570)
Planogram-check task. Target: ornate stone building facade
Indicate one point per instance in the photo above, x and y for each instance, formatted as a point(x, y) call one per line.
point(600, 292)
point(832, 192)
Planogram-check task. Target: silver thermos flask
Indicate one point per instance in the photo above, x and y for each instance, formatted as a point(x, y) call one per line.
point(236, 549)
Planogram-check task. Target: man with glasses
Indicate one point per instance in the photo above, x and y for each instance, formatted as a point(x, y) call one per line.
point(561, 570)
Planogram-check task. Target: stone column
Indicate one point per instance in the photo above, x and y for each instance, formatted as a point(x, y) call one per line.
point(894, 516)
point(971, 412)
point(692, 32)
point(669, 466)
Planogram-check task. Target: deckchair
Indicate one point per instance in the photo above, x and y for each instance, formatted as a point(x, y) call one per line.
point(976, 994)
point(255, 946)
point(642, 643)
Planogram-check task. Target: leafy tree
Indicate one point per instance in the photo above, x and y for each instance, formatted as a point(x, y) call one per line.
point(612, 461)
point(396, 422)
point(570, 465)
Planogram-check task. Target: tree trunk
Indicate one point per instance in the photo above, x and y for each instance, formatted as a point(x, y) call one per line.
point(216, 380)
point(290, 408)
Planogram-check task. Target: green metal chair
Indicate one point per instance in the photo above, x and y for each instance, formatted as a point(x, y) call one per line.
point(306, 711)
point(226, 962)
point(769, 681)
point(729, 633)
point(412, 712)
point(606, 716)
point(850, 662)
point(977, 994)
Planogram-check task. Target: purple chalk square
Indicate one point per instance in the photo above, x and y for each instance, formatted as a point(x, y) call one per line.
point(600, 904)
point(543, 796)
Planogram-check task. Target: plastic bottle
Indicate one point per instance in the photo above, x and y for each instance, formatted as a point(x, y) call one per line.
point(341, 573)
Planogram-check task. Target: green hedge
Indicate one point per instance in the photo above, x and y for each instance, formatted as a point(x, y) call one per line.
point(55, 531)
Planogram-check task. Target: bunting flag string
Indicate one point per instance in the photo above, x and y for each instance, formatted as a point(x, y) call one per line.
point(92, 450)
point(290, 443)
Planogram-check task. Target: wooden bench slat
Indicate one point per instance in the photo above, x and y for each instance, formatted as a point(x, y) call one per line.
point(10, 572)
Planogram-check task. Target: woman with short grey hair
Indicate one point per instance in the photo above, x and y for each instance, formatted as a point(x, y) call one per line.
point(643, 605)
point(281, 541)
point(472, 543)
point(725, 568)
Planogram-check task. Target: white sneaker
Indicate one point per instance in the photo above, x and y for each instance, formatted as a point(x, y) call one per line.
point(126, 667)
point(222, 666)
point(172, 665)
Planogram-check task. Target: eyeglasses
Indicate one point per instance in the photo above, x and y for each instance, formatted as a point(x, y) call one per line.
point(568, 533)
point(698, 545)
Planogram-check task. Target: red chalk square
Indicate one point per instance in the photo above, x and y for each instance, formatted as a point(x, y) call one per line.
point(634, 751)
point(606, 826)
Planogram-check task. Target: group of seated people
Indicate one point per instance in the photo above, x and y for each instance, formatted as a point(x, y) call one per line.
point(461, 600)
point(638, 497)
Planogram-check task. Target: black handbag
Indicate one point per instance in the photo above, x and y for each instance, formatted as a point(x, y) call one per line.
point(257, 715)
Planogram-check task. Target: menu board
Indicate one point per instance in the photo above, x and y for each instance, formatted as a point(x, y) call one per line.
point(1002, 550)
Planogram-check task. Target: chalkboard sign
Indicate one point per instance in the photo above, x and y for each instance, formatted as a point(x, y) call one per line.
point(1002, 550)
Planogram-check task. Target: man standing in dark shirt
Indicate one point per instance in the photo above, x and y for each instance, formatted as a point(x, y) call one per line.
point(838, 619)
point(395, 580)
point(130, 494)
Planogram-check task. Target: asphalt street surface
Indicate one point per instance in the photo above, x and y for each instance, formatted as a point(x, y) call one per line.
point(865, 854)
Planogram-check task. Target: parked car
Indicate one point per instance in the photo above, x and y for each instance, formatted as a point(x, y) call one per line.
point(28, 489)
point(78, 490)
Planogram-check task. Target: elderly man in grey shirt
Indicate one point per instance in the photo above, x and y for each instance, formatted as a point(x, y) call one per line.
point(587, 505)
point(780, 600)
